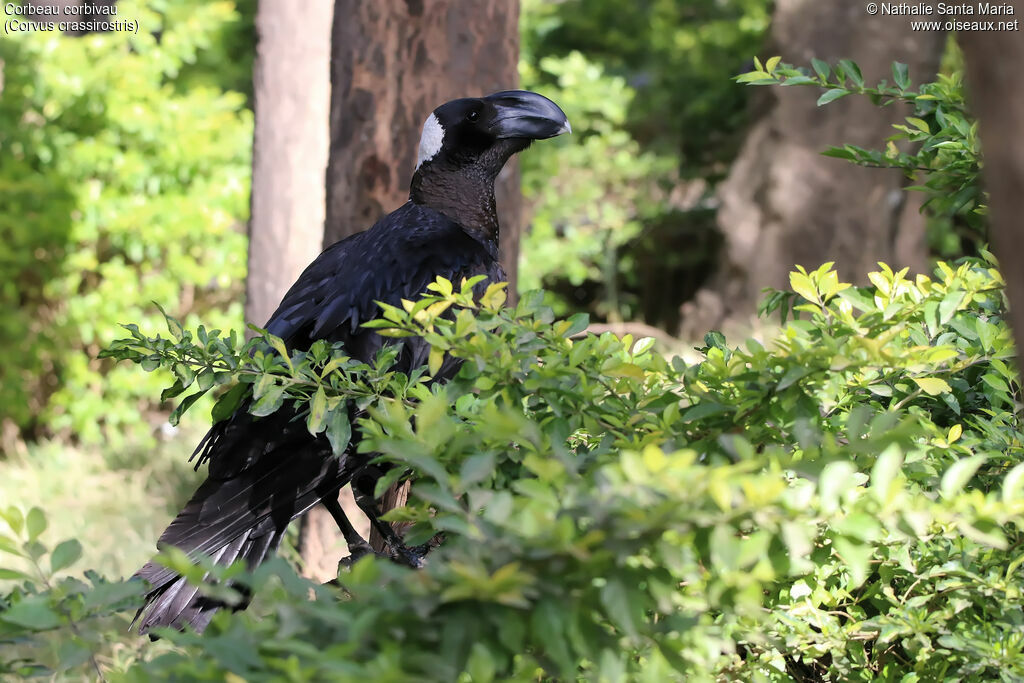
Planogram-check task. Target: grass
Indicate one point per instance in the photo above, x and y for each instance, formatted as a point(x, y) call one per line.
point(115, 503)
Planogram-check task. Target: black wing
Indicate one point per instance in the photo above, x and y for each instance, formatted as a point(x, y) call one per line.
point(264, 472)
point(395, 259)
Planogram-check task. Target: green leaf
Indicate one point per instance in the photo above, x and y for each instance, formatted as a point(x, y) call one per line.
point(792, 376)
point(207, 379)
point(475, 469)
point(900, 75)
point(263, 384)
point(920, 124)
point(625, 370)
point(577, 323)
point(185, 404)
point(35, 523)
point(269, 402)
point(949, 305)
point(957, 476)
point(880, 389)
point(704, 409)
point(822, 69)
point(227, 404)
point(339, 430)
point(643, 345)
point(836, 479)
point(9, 546)
point(840, 153)
point(619, 606)
point(548, 625)
point(856, 557)
point(14, 518)
point(494, 296)
point(65, 554)
point(715, 340)
point(172, 391)
point(32, 613)
point(14, 575)
point(173, 326)
point(756, 78)
point(799, 80)
point(853, 71)
point(279, 346)
point(954, 433)
point(885, 471)
point(1013, 484)
point(317, 420)
point(933, 386)
point(802, 285)
point(996, 382)
point(480, 666)
point(109, 594)
point(435, 360)
point(832, 95)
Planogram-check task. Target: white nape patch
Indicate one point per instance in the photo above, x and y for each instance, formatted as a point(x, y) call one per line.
point(430, 141)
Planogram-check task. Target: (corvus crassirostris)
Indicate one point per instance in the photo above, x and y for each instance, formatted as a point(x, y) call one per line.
point(265, 472)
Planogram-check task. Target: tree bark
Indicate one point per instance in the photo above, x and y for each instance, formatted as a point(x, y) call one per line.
point(994, 87)
point(785, 204)
point(292, 108)
point(290, 145)
point(392, 63)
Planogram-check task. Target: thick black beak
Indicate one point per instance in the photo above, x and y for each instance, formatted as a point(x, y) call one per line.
point(525, 114)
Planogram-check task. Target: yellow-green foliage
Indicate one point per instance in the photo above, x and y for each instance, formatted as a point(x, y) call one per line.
point(842, 503)
point(119, 186)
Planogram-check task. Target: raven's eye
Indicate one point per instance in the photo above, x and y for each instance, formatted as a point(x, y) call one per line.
point(472, 116)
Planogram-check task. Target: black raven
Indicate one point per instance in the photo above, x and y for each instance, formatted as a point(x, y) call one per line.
point(265, 472)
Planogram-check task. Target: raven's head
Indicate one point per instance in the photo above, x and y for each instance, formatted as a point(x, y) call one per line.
point(465, 144)
point(484, 132)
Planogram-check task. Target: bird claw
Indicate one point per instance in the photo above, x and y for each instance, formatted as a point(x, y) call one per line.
point(414, 557)
point(355, 553)
point(410, 557)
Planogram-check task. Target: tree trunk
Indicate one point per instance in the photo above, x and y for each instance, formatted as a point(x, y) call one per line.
point(289, 148)
point(994, 87)
point(392, 63)
point(292, 107)
point(785, 204)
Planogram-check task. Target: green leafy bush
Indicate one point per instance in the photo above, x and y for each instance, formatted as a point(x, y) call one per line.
point(52, 624)
point(842, 503)
point(120, 187)
point(937, 146)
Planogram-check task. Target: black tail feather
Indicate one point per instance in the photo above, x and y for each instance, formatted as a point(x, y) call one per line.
point(179, 604)
point(240, 513)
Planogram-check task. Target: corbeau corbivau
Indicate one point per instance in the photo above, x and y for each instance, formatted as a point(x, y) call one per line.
point(265, 472)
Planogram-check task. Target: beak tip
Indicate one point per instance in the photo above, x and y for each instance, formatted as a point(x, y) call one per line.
point(566, 128)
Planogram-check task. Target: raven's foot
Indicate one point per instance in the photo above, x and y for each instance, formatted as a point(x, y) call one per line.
point(415, 557)
point(403, 555)
point(357, 551)
point(408, 556)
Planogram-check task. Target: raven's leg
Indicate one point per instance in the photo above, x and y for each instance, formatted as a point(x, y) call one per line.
point(357, 545)
point(364, 481)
